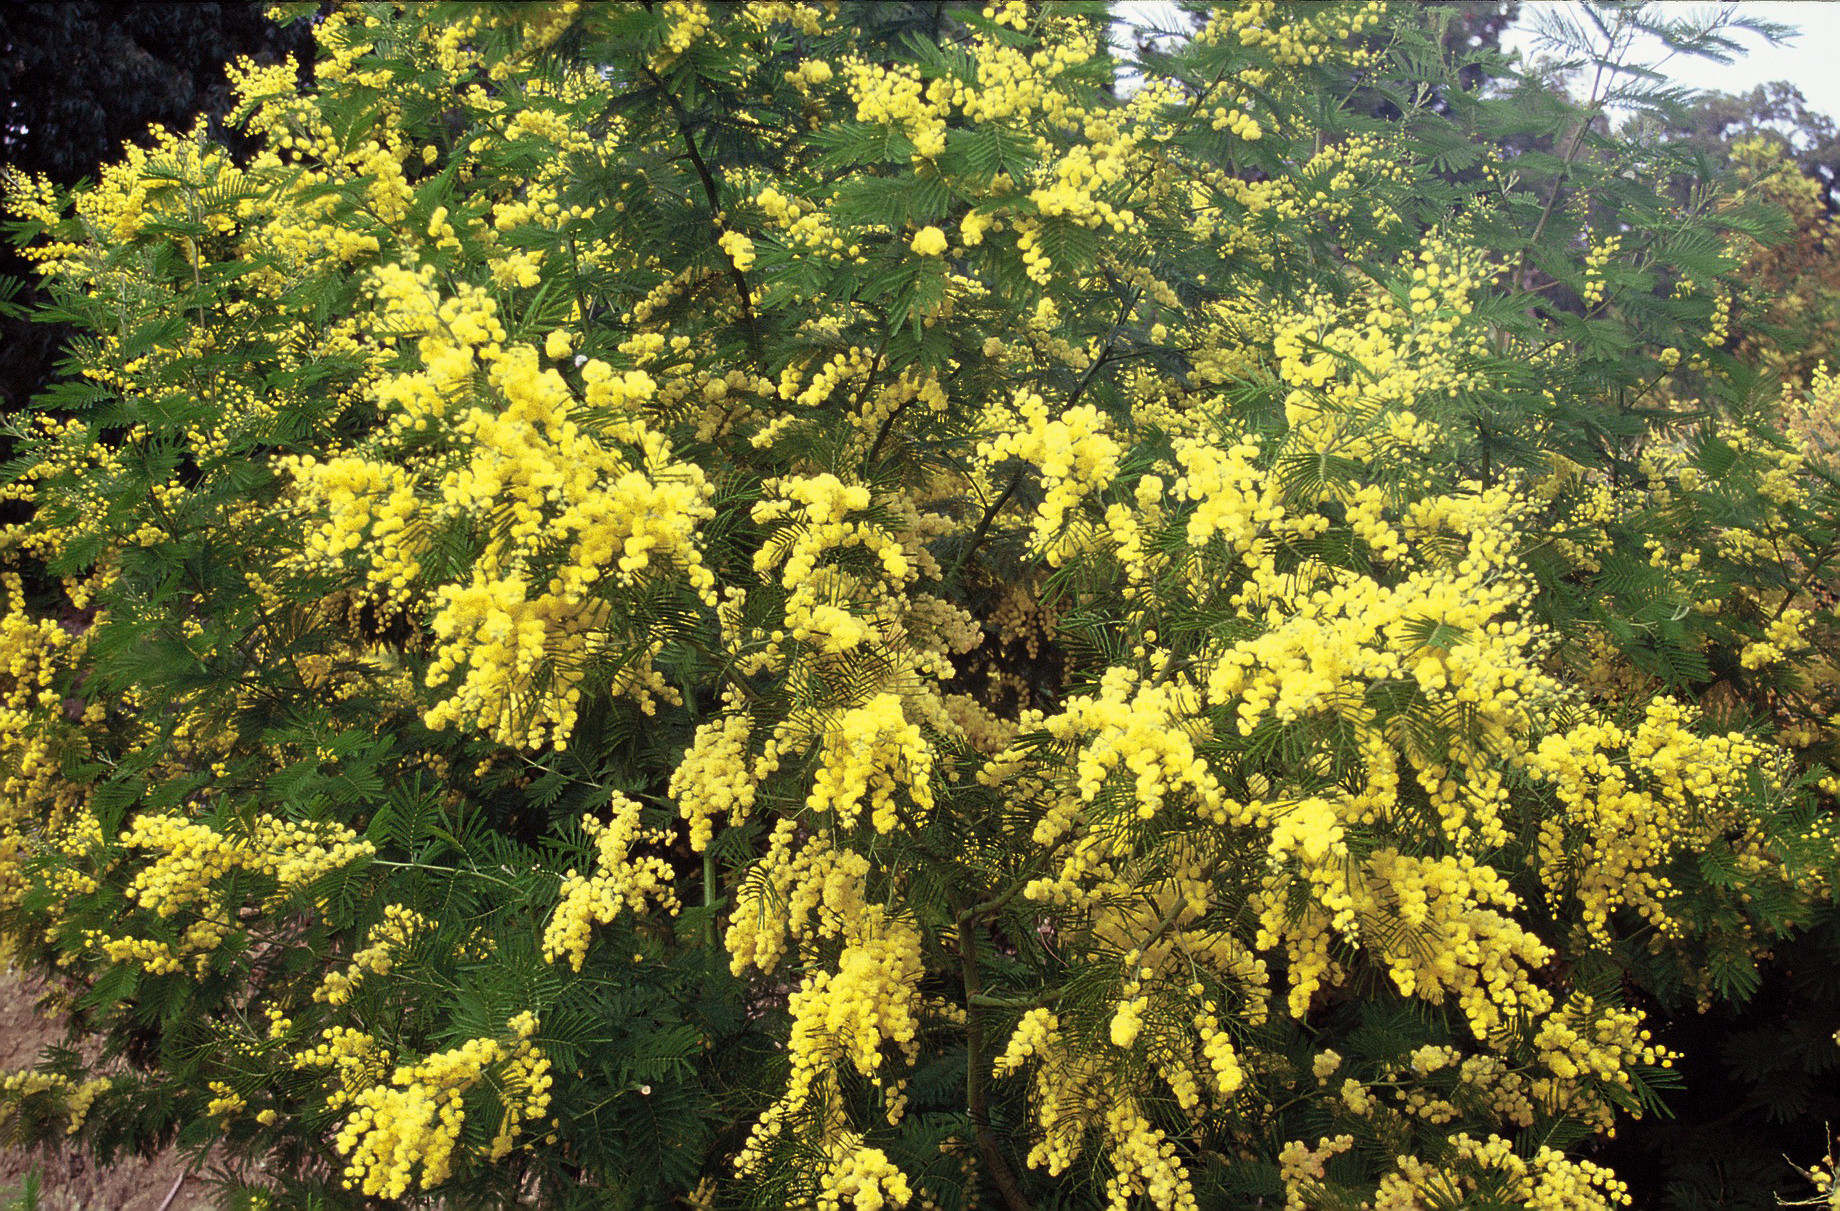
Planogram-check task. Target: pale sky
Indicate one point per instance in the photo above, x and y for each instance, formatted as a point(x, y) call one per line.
point(1811, 61)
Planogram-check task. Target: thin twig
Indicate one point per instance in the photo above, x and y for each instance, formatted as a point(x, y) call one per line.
point(173, 1193)
point(1015, 481)
point(1591, 113)
point(983, 526)
point(750, 326)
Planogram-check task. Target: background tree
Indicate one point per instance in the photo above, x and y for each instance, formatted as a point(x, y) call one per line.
point(80, 79)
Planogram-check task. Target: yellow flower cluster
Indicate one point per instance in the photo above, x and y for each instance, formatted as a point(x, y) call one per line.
point(620, 880)
point(1145, 1163)
point(805, 227)
point(1199, 1065)
point(1343, 632)
point(1589, 1049)
point(716, 778)
point(1599, 254)
point(864, 1178)
point(32, 653)
point(739, 248)
point(225, 1101)
point(415, 1119)
point(1234, 500)
point(1076, 456)
point(1087, 183)
point(827, 593)
point(1074, 191)
point(872, 751)
point(1442, 926)
point(1343, 188)
point(929, 241)
point(1412, 339)
point(151, 955)
point(845, 1012)
point(353, 1056)
point(1303, 1168)
point(1783, 637)
point(894, 96)
point(1635, 798)
point(189, 856)
point(612, 492)
point(387, 939)
point(1295, 37)
point(1147, 731)
point(1547, 1181)
point(685, 21)
point(52, 1091)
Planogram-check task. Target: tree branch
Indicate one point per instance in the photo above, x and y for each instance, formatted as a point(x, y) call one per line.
point(975, 1103)
point(750, 324)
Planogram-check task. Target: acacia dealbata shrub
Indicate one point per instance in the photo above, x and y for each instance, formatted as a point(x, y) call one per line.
point(849, 605)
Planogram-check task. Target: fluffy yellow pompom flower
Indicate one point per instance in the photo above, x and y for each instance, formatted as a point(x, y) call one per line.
point(739, 248)
point(929, 241)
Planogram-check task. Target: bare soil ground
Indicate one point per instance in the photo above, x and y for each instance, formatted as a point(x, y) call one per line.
point(69, 1180)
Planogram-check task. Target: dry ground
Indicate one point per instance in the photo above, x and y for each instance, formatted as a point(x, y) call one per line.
point(70, 1181)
